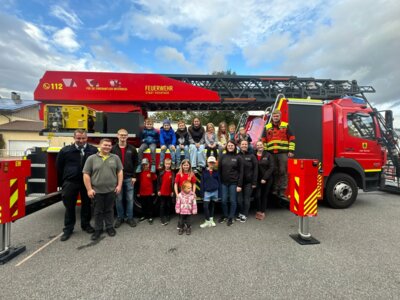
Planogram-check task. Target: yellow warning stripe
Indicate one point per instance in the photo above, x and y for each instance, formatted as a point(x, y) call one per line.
point(319, 185)
point(280, 103)
point(311, 210)
point(312, 203)
point(310, 199)
point(15, 214)
point(296, 193)
point(14, 196)
point(372, 170)
point(304, 100)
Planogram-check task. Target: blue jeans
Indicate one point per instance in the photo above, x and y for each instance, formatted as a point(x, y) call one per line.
point(145, 146)
point(172, 152)
point(197, 156)
point(179, 153)
point(127, 193)
point(229, 192)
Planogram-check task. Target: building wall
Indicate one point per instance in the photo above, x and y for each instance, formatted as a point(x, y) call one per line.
point(31, 114)
point(31, 136)
point(4, 119)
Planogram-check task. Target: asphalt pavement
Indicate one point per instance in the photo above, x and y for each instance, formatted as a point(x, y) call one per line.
point(358, 258)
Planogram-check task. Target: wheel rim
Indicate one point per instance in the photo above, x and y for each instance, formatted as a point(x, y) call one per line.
point(342, 191)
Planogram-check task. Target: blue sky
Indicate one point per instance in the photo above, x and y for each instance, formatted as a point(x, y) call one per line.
point(353, 39)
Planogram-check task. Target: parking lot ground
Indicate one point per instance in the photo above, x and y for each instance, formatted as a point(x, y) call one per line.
point(358, 258)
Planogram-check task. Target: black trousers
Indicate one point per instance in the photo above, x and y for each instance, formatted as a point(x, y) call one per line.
point(104, 210)
point(262, 192)
point(70, 191)
point(208, 208)
point(165, 206)
point(148, 206)
point(184, 220)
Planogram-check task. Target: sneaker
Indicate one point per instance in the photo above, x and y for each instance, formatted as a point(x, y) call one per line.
point(195, 170)
point(188, 230)
point(243, 219)
point(230, 222)
point(65, 236)
point(131, 222)
point(88, 229)
point(164, 221)
point(118, 222)
point(180, 231)
point(239, 217)
point(205, 224)
point(222, 220)
point(111, 231)
point(142, 219)
point(153, 169)
point(139, 169)
point(212, 222)
point(151, 221)
point(96, 235)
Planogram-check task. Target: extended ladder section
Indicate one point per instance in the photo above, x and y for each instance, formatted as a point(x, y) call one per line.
point(256, 93)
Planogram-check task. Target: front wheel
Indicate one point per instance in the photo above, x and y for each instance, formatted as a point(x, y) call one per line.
point(341, 191)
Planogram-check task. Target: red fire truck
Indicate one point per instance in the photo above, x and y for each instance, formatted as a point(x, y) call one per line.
point(332, 120)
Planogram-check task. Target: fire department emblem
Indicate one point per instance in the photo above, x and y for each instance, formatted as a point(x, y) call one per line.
point(364, 145)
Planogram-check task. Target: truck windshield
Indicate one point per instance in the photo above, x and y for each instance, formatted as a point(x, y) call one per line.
point(361, 125)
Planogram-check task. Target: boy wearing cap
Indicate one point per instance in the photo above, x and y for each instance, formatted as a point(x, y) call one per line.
point(209, 186)
point(146, 193)
point(167, 141)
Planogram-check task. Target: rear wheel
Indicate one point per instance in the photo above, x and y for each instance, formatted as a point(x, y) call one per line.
point(341, 191)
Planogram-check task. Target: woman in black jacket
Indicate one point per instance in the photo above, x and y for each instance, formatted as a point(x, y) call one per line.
point(230, 168)
point(250, 173)
point(264, 182)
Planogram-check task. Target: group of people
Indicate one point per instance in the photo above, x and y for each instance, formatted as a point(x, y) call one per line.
point(230, 170)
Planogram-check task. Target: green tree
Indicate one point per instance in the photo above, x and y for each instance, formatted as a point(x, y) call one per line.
point(227, 72)
point(212, 116)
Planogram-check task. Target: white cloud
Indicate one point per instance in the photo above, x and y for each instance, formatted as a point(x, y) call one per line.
point(66, 38)
point(146, 27)
point(266, 52)
point(172, 55)
point(26, 52)
point(69, 17)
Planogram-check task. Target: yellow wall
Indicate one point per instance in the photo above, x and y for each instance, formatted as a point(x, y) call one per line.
point(34, 136)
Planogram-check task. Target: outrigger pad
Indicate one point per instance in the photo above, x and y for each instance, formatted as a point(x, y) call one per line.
point(302, 241)
point(12, 252)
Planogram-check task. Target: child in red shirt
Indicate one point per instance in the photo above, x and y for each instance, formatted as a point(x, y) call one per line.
point(146, 191)
point(185, 173)
point(165, 188)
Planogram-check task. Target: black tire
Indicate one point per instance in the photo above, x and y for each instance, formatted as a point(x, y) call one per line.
point(341, 191)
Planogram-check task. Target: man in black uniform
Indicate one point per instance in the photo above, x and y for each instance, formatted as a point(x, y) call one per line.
point(70, 162)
